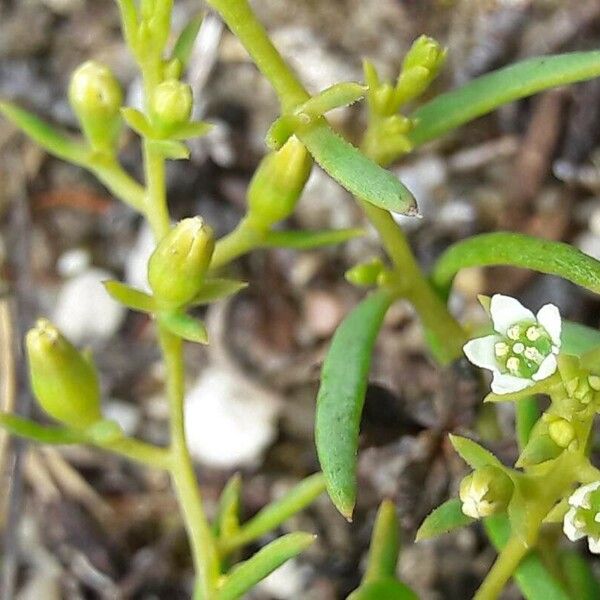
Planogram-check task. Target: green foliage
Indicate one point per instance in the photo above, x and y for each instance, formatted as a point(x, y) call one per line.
point(445, 518)
point(341, 397)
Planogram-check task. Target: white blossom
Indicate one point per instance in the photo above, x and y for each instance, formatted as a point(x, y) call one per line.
point(583, 517)
point(523, 348)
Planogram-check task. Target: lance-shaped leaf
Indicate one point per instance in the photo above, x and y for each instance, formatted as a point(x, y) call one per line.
point(45, 135)
point(306, 240)
point(248, 573)
point(534, 579)
point(40, 433)
point(336, 96)
point(354, 171)
point(472, 453)
point(184, 326)
point(578, 339)
point(190, 130)
point(227, 521)
point(443, 519)
point(580, 578)
point(486, 93)
point(130, 297)
point(214, 289)
point(385, 544)
point(186, 40)
point(277, 512)
point(518, 250)
point(342, 395)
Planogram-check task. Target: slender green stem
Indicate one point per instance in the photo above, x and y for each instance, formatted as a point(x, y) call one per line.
point(156, 211)
point(240, 241)
point(503, 568)
point(243, 23)
point(147, 454)
point(527, 412)
point(206, 561)
point(118, 181)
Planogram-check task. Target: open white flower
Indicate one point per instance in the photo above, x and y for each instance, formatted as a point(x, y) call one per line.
point(523, 349)
point(583, 518)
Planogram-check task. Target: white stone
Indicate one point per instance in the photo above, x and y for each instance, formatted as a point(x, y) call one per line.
point(286, 582)
point(73, 262)
point(230, 422)
point(136, 266)
point(84, 311)
point(125, 414)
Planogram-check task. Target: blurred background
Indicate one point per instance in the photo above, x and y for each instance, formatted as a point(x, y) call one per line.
point(77, 523)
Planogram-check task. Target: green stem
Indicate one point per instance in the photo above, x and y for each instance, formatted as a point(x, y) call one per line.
point(152, 456)
point(206, 561)
point(118, 181)
point(527, 412)
point(503, 568)
point(243, 23)
point(156, 211)
point(240, 241)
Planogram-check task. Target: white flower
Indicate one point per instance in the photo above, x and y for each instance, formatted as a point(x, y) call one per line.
point(523, 349)
point(583, 518)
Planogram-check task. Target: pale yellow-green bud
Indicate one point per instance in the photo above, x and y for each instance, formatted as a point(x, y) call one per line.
point(177, 267)
point(172, 103)
point(64, 382)
point(365, 274)
point(96, 98)
point(278, 183)
point(486, 491)
point(561, 432)
point(425, 52)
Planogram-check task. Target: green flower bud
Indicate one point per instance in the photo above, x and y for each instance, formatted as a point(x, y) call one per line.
point(365, 274)
point(172, 103)
point(278, 183)
point(176, 268)
point(425, 52)
point(96, 98)
point(561, 432)
point(486, 491)
point(64, 382)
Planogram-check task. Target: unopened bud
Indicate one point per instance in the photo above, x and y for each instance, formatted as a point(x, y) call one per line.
point(365, 274)
point(176, 268)
point(278, 183)
point(425, 52)
point(561, 432)
point(96, 97)
point(64, 382)
point(486, 491)
point(172, 103)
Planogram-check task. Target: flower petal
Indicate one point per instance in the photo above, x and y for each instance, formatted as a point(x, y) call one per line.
point(594, 545)
point(579, 498)
point(480, 352)
point(503, 383)
point(569, 527)
point(547, 368)
point(507, 311)
point(549, 318)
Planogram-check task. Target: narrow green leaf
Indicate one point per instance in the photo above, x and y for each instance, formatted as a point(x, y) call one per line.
point(486, 93)
point(535, 581)
point(186, 327)
point(581, 581)
point(130, 297)
point(247, 574)
point(190, 130)
point(336, 96)
point(227, 521)
point(444, 518)
point(137, 121)
point(518, 250)
point(45, 135)
point(277, 512)
point(385, 544)
point(172, 149)
point(306, 240)
point(341, 397)
point(186, 40)
point(472, 453)
point(354, 171)
point(539, 449)
point(383, 589)
point(527, 413)
point(578, 339)
point(214, 289)
point(40, 433)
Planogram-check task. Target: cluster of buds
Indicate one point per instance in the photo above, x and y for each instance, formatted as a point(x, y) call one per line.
point(485, 492)
point(277, 184)
point(96, 98)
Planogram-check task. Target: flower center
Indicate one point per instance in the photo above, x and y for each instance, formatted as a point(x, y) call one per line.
point(523, 349)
